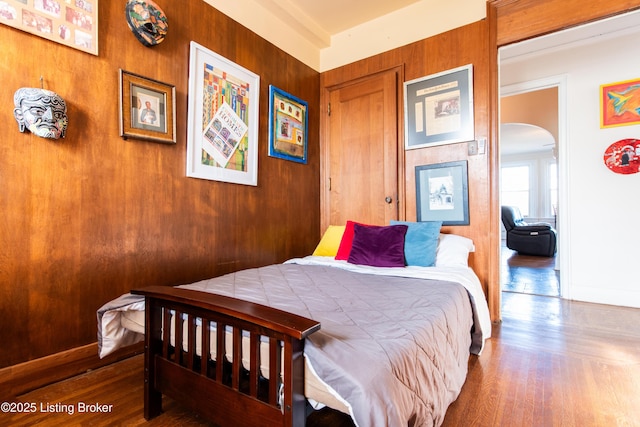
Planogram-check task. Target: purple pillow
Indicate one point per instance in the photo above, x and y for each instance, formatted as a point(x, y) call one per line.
point(378, 246)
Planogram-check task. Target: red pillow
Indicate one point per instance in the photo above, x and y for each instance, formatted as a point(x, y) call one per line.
point(346, 242)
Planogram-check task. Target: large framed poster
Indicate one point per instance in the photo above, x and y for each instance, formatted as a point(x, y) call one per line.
point(222, 136)
point(73, 23)
point(438, 109)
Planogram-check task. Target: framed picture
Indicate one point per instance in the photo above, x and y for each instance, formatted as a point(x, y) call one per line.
point(147, 109)
point(438, 109)
point(442, 193)
point(287, 126)
point(222, 137)
point(619, 103)
point(73, 24)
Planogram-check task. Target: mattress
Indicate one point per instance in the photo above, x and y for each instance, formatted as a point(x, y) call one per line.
point(394, 342)
point(317, 392)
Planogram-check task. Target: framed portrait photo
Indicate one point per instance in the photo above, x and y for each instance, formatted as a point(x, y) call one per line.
point(442, 193)
point(222, 137)
point(287, 126)
point(147, 109)
point(438, 109)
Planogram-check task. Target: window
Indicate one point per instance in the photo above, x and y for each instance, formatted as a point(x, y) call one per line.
point(553, 188)
point(515, 187)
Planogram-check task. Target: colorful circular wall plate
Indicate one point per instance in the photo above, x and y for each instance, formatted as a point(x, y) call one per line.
point(623, 156)
point(147, 21)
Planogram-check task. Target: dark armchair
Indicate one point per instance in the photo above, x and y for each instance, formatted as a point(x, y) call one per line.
point(528, 239)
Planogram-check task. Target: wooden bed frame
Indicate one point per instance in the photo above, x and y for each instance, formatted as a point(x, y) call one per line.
point(225, 393)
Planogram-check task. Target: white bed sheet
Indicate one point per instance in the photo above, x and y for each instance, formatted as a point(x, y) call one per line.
point(131, 318)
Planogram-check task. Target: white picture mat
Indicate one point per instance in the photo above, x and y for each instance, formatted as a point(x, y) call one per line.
point(199, 57)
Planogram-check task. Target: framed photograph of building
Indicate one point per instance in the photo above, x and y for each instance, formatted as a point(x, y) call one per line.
point(438, 109)
point(222, 134)
point(442, 193)
point(287, 126)
point(147, 109)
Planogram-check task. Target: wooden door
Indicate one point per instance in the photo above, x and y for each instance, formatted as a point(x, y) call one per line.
point(361, 163)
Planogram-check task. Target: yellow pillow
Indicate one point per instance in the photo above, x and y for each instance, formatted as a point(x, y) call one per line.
point(330, 241)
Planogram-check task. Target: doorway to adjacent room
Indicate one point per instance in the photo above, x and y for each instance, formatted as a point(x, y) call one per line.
point(531, 129)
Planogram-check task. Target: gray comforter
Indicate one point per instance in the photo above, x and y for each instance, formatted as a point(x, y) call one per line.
point(394, 348)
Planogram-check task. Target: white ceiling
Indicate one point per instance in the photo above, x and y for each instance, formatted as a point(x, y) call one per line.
point(333, 16)
point(325, 18)
point(520, 138)
point(326, 34)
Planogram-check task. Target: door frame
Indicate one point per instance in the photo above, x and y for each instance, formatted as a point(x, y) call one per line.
point(564, 208)
point(507, 24)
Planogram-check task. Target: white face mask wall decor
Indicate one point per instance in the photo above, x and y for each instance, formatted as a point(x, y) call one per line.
point(41, 111)
point(146, 21)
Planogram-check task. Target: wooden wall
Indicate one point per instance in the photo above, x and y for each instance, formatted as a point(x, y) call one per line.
point(87, 218)
point(507, 21)
point(523, 19)
point(462, 46)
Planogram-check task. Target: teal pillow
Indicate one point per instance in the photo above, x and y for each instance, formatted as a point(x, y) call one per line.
point(420, 242)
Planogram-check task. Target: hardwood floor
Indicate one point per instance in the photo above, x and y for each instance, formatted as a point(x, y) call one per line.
point(119, 385)
point(551, 362)
point(529, 274)
point(554, 362)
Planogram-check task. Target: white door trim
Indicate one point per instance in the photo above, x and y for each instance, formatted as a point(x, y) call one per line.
point(564, 209)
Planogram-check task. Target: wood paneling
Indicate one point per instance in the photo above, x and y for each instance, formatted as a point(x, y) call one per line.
point(465, 45)
point(87, 218)
point(507, 21)
point(522, 19)
point(27, 376)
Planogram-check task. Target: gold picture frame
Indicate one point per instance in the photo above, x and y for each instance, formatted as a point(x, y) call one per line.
point(147, 109)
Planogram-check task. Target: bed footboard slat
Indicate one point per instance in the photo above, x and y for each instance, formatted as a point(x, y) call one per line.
point(191, 342)
point(205, 334)
point(220, 346)
point(237, 358)
point(227, 391)
point(254, 364)
point(274, 369)
point(166, 328)
point(177, 327)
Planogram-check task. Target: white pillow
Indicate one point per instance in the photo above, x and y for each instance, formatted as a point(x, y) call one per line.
point(453, 250)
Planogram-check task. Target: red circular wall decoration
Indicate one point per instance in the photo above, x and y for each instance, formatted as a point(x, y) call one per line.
point(623, 156)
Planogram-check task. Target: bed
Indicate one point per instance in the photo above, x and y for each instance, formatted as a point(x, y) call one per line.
point(385, 345)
